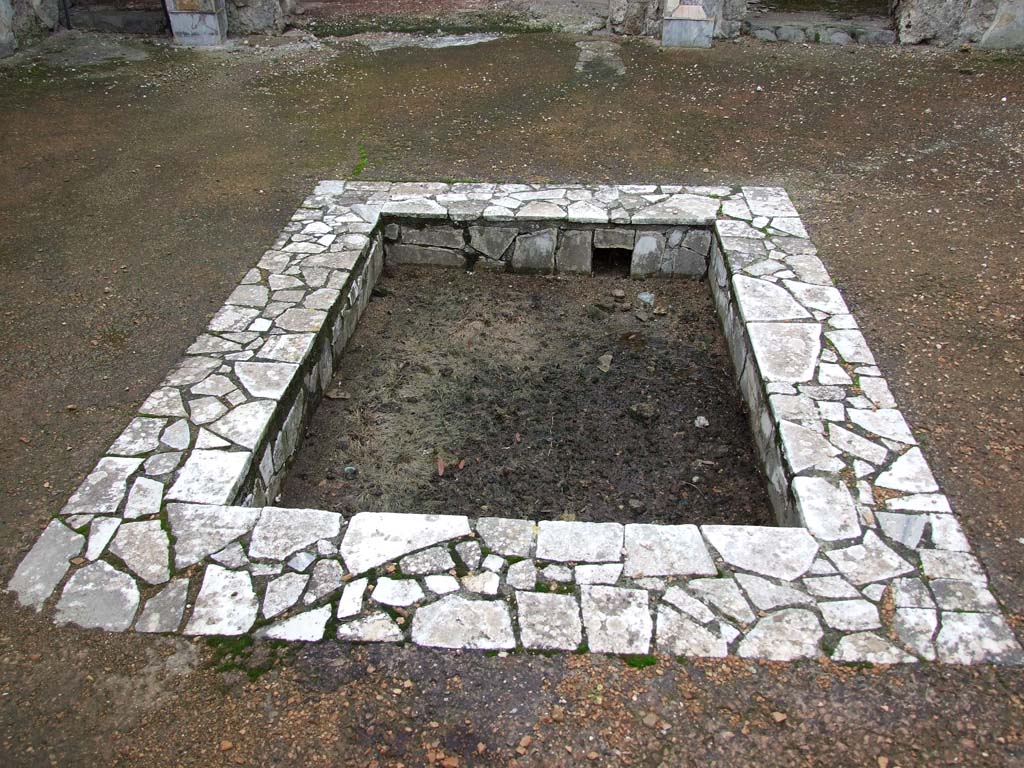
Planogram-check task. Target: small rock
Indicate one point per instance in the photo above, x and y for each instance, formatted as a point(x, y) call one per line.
point(618, 294)
point(646, 298)
point(645, 412)
point(604, 363)
point(701, 422)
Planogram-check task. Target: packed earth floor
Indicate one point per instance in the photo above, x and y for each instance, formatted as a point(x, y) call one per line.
point(546, 398)
point(138, 183)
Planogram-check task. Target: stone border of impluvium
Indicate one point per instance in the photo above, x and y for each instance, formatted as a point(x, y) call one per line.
point(172, 532)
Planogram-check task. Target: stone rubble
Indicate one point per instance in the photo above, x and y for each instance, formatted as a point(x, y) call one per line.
point(182, 502)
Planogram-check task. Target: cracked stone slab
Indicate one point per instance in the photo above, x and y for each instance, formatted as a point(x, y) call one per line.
point(283, 592)
point(279, 531)
point(200, 530)
point(374, 538)
point(870, 648)
point(549, 621)
point(869, 561)
point(725, 595)
point(826, 508)
point(681, 636)
point(909, 473)
point(975, 638)
point(104, 488)
point(782, 553)
point(44, 566)
point(458, 622)
point(99, 596)
point(226, 604)
point(617, 620)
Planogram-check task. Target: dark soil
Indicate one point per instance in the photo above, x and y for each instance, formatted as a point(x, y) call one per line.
point(483, 394)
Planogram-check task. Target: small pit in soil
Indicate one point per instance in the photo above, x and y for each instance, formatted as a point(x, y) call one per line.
point(533, 397)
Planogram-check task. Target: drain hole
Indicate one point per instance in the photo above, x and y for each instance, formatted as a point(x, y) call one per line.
point(612, 261)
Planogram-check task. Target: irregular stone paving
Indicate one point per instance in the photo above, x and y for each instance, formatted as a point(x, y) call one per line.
point(174, 530)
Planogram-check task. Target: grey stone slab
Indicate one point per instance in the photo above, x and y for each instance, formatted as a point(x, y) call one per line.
point(617, 620)
point(506, 536)
point(326, 578)
point(101, 532)
point(400, 253)
point(557, 573)
point(806, 448)
point(144, 547)
point(144, 499)
point(615, 237)
point(760, 300)
point(695, 609)
point(163, 611)
point(300, 320)
point(351, 601)
point(868, 561)
point(210, 476)
point(767, 595)
point(549, 621)
point(952, 595)
point(834, 587)
point(492, 242)
point(304, 627)
point(429, 561)
point(925, 502)
point(790, 634)
point(165, 401)
point(246, 424)
point(522, 575)
point(178, 436)
point(909, 473)
point(485, 583)
point(287, 347)
point(280, 531)
point(575, 251)
point(455, 621)
point(782, 553)
point(851, 346)
point(725, 595)
point(44, 566)
point(906, 529)
point(867, 647)
point(226, 604)
point(855, 445)
point(441, 236)
point(826, 507)
point(535, 252)
point(104, 488)
point(443, 584)
point(786, 352)
point(666, 550)
point(977, 638)
point(648, 253)
point(470, 553)
point(679, 209)
point(141, 436)
point(607, 573)
point(824, 298)
point(769, 201)
point(98, 596)
point(680, 636)
point(850, 615)
point(192, 370)
point(397, 592)
point(373, 628)
point(374, 538)
point(587, 212)
point(579, 542)
point(282, 593)
point(200, 530)
point(962, 566)
point(268, 380)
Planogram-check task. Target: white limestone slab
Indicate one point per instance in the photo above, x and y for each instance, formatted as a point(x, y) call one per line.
point(282, 593)
point(104, 488)
point(786, 352)
point(790, 634)
point(144, 499)
point(246, 424)
point(143, 547)
point(44, 566)
point(98, 596)
point(885, 422)
point(760, 300)
point(909, 473)
point(141, 436)
point(781, 553)
point(455, 621)
point(163, 611)
point(226, 604)
point(867, 647)
point(351, 601)
point(210, 477)
point(375, 627)
point(579, 542)
point(826, 508)
point(666, 550)
point(200, 530)
point(305, 627)
point(506, 536)
point(869, 561)
point(397, 592)
point(617, 620)
point(373, 538)
point(549, 621)
point(678, 635)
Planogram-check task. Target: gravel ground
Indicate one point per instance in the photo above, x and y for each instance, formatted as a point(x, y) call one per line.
point(135, 194)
